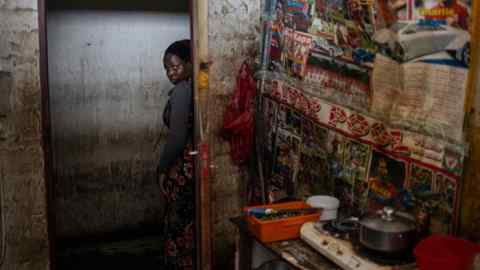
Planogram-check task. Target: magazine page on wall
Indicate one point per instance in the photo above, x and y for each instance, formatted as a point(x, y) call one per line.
point(324, 148)
point(404, 61)
point(429, 41)
point(370, 97)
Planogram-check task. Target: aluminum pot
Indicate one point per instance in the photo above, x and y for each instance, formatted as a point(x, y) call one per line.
point(388, 231)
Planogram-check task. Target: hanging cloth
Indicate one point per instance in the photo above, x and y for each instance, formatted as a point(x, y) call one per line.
point(238, 123)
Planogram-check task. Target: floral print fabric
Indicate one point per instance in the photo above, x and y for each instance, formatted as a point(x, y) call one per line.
point(179, 222)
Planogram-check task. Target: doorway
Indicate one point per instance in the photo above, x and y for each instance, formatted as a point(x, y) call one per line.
point(106, 92)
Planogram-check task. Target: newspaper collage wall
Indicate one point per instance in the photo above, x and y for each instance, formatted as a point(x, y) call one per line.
point(364, 99)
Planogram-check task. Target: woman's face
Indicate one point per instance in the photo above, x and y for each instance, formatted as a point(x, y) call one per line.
point(177, 69)
point(382, 168)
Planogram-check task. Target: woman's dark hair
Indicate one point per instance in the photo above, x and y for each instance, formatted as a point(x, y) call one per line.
point(180, 48)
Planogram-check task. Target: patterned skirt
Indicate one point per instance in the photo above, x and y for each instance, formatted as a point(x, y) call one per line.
point(179, 222)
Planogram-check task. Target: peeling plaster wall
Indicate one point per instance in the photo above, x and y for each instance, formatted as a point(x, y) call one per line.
point(234, 35)
point(21, 154)
point(108, 88)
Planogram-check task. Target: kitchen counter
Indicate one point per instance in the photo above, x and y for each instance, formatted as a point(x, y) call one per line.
point(295, 252)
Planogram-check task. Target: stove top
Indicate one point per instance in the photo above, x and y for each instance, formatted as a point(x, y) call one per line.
point(385, 259)
point(345, 229)
point(342, 247)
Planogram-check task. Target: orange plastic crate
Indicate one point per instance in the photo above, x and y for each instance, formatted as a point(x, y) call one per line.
point(280, 229)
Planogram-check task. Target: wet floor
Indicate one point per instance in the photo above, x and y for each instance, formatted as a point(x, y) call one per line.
point(142, 253)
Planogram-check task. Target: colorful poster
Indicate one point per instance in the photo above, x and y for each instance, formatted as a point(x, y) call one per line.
point(345, 194)
point(286, 161)
point(421, 179)
point(386, 180)
point(335, 150)
point(388, 75)
point(314, 136)
point(444, 206)
point(454, 13)
point(353, 196)
point(360, 191)
point(355, 162)
point(339, 79)
point(269, 116)
point(356, 157)
point(298, 48)
point(336, 145)
point(333, 153)
point(289, 119)
point(313, 176)
point(331, 45)
point(424, 148)
point(453, 161)
point(283, 111)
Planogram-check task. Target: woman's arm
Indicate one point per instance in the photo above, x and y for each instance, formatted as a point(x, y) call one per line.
point(178, 134)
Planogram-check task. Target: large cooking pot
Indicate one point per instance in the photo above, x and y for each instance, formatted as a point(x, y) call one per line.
point(388, 231)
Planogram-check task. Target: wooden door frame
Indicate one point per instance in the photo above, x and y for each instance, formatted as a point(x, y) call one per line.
point(46, 130)
point(199, 15)
point(199, 34)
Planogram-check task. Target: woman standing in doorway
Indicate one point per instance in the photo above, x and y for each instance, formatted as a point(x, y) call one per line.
point(175, 167)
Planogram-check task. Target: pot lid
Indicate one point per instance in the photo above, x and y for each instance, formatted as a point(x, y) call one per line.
point(388, 221)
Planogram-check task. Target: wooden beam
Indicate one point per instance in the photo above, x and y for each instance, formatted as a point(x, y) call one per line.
point(474, 54)
point(469, 214)
point(200, 54)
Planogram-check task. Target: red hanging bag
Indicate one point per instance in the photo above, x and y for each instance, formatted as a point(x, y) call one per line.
point(238, 120)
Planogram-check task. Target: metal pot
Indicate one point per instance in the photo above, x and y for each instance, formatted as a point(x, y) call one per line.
point(388, 231)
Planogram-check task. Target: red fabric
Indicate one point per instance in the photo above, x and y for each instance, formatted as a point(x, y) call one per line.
point(443, 252)
point(238, 124)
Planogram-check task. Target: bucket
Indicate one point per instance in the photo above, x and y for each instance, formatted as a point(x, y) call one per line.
point(327, 203)
point(445, 253)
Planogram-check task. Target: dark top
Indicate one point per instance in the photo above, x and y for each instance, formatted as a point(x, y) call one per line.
point(177, 116)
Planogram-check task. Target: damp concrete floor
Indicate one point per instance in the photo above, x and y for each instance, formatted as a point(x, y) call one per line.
point(142, 253)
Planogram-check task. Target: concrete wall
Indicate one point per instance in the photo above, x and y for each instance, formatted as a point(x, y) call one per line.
point(108, 88)
point(234, 35)
point(21, 155)
point(233, 27)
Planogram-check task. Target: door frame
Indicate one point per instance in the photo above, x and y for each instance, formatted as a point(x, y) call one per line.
point(199, 36)
point(46, 131)
point(199, 15)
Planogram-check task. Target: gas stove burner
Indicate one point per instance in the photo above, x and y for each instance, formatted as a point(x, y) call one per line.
point(384, 258)
point(345, 229)
point(346, 225)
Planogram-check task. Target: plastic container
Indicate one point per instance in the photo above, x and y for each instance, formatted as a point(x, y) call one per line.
point(327, 203)
point(280, 229)
point(445, 253)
